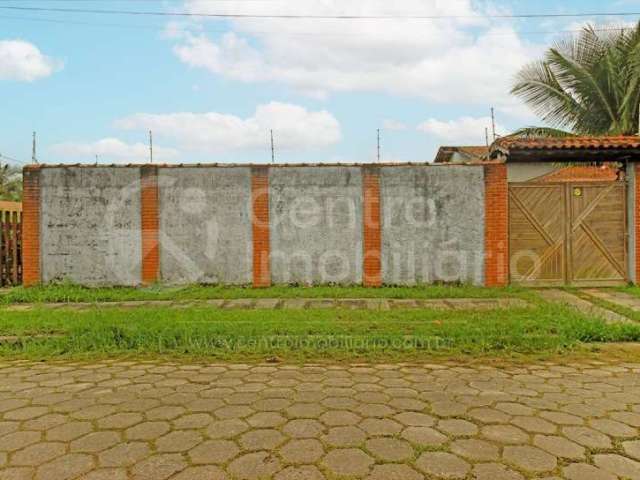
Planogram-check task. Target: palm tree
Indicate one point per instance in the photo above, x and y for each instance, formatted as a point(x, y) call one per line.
point(585, 85)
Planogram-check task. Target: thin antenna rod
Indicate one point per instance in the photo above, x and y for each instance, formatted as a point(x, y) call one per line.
point(273, 150)
point(34, 158)
point(486, 135)
point(151, 146)
point(493, 124)
point(378, 145)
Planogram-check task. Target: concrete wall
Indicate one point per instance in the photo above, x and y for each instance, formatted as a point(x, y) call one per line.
point(432, 224)
point(205, 225)
point(316, 225)
point(528, 171)
point(90, 225)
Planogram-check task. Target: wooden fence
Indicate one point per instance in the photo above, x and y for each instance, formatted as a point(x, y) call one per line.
point(10, 243)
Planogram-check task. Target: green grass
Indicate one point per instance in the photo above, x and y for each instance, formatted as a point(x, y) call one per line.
point(304, 335)
point(74, 293)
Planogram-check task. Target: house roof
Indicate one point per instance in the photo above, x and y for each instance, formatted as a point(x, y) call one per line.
point(566, 148)
point(469, 153)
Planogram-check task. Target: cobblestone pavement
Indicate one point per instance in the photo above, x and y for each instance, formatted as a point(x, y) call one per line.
point(153, 420)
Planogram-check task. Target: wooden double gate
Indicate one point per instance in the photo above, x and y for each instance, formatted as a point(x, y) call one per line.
point(568, 234)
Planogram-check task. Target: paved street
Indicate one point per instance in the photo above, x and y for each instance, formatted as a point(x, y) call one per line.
point(153, 420)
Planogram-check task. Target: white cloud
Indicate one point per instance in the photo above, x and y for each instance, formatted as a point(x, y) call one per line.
point(390, 124)
point(23, 61)
point(462, 60)
point(294, 128)
point(464, 130)
point(111, 150)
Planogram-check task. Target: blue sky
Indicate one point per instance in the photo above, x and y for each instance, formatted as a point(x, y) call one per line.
point(212, 89)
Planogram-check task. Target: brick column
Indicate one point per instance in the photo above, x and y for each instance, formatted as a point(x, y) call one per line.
point(496, 241)
point(636, 222)
point(150, 224)
point(260, 226)
point(31, 226)
point(372, 237)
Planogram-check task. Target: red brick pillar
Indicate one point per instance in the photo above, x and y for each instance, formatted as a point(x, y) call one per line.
point(636, 209)
point(496, 241)
point(372, 237)
point(150, 224)
point(31, 226)
point(260, 226)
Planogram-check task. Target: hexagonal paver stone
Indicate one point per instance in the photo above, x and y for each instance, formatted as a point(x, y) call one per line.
point(214, 451)
point(474, 449)
point(201, 473)
point(226, 428)
point(43, 423)
point(457, 428)
point(69, 431)
point(159, 467)
point(494, 471)
point(530, 458)
point(344, 437)
point(3, 458)
point(124, 454)
point(339, 418)
point(147, 431)
point(307, 472)
point(534, 424)
point(303, 428)
point(630, 418)
point(120, 420)
point(632, 448)
point(38, 453)
point(618, 465)
point(18, 440)
point(254, 466)
point(562, 418)
point(448, 408)
point(93, 412)
point(424, 436)
point(106, 474)
point(25, 413)
point(613, 428)
point(195, 420)
point(559, 446)
point(583, 471)
point(347, 462)
point(506, 434)
point(512, 408)
point(375, 410)
point(178, 441)
point(302, 451)
point(390, 449)
point(233, 411)
point(305, 410)
point(95, 442)
point(394, 472)
point(443, 465)
point(66, 467)
point(265, 439)
point(380, 426)
point(587, 437)
point(488, 415)
point(266, 420)
point(166, 412)
point(415, 419)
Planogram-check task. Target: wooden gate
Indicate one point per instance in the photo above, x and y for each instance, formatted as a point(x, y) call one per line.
point(10, 244)
point(568, 234)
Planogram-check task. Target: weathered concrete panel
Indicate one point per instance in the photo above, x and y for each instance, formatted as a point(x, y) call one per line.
point(316, 225)
point(432, 224)
point(205, 225)
point(90, 225)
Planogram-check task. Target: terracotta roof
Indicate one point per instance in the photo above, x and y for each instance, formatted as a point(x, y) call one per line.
point(471, 153)
point(578, 173)
point(567, 143)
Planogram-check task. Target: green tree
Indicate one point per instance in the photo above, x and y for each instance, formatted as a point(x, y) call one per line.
point(10, 183)
point(588, 84)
